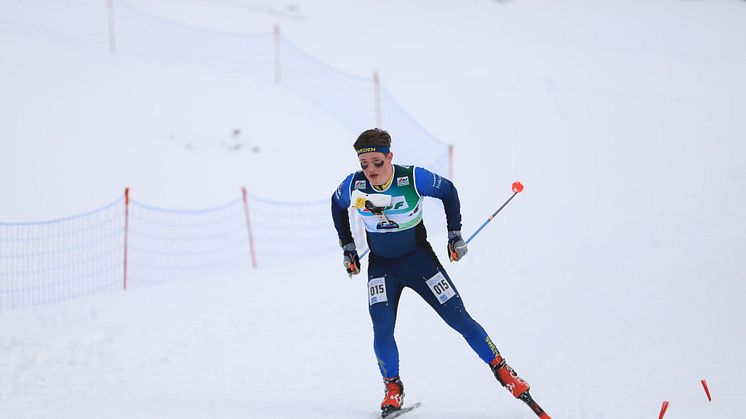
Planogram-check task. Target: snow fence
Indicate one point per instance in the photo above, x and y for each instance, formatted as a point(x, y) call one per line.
point(118, 27)
point(129, 243)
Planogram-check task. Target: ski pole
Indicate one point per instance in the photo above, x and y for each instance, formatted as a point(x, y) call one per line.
point(517, 188)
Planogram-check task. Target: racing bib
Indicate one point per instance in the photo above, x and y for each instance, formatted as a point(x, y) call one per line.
point(440, 287)
point(377, 291)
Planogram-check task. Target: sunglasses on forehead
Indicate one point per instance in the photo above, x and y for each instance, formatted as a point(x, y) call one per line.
point(378, 164)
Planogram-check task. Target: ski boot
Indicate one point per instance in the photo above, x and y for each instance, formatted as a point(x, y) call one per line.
point(508, 377)
point(394, 398)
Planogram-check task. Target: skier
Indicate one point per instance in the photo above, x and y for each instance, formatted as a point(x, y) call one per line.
point(389, 198)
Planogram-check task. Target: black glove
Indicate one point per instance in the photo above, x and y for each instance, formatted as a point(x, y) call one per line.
point(351, 259)
point(456, 246)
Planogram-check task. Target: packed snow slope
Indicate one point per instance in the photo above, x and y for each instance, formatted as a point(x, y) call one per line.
point(613, 282)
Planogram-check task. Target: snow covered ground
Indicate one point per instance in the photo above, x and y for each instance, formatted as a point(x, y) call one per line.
point(614, 282)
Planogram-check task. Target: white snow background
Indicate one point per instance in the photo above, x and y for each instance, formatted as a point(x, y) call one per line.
point(613, 282)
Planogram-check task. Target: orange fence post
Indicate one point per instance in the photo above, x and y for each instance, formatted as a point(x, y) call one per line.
point(248, 226)
point(377, 94)
point(664, 407)
point(112, 32)
point(278, 73)
point(126, 230)
point(707, 389)
point(450, 162)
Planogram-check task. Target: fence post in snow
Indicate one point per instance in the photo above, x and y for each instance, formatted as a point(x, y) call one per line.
point(377, 94)
point(450, 162)
point(278, 73)
point(112, 32)
point(248, 226)
point(126, 230)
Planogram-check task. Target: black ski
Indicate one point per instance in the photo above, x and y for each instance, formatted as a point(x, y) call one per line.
point(403, 410)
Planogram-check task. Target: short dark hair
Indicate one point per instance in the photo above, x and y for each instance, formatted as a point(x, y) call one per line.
point(373, 137)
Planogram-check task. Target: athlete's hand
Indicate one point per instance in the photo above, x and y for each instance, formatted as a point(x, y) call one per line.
point(351, 259)
point(456, 246)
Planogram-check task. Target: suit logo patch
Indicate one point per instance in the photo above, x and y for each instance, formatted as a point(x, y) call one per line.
point(402, 181)
point(360, 184)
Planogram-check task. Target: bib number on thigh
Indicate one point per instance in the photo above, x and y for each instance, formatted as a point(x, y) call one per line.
point(440, 287)
point(377, 291)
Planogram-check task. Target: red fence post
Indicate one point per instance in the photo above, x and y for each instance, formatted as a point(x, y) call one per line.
point(112, 32)
point(377, 94)
point(664, 408)
point(278, 73)
point(126, 230)
point(248, 226)
point(707, 389)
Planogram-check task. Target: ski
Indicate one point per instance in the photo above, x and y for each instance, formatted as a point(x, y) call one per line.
point(403, 410)
point(526, 397)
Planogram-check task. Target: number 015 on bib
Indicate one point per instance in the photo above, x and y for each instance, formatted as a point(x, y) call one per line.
point(377, 291)
point(440, 287)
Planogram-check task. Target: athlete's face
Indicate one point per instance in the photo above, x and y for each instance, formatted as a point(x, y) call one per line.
point(377, 167)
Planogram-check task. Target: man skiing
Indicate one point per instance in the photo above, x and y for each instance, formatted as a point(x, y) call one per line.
point(389, 198)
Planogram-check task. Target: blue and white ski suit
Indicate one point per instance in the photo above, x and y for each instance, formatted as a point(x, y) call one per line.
point(402, 257)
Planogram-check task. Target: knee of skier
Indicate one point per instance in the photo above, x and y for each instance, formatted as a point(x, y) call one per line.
point(383, 332)
point(462, 322)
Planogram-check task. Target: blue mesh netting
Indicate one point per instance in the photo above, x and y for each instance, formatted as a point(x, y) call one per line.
point(170, 244)
point(56, 260)
point(48, 261)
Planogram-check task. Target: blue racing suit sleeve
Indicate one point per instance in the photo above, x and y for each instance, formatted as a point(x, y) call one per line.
point(340, 203)
point(436, 186)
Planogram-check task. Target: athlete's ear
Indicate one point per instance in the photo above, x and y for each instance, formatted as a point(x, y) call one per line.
point(390, 156)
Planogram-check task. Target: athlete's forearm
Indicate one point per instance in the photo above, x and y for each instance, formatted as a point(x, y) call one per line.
point(452, 206)
point(341, 223)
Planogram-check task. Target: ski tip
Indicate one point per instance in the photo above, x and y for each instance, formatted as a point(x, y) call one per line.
point(526, 397)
